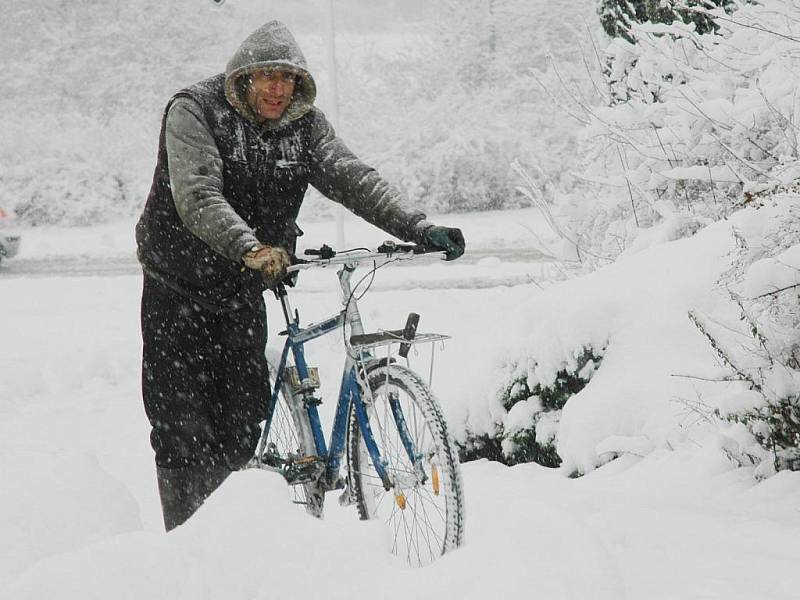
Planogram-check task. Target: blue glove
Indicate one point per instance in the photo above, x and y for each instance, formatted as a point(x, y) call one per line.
point(448, 239)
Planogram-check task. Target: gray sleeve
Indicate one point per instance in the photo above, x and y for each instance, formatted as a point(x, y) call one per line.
point(195, 176)
point(341, 176)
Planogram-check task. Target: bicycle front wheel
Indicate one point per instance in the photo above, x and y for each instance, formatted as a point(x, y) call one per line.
point(424, 509)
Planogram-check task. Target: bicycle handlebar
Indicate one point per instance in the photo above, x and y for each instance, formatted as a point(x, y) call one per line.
point(388, 250)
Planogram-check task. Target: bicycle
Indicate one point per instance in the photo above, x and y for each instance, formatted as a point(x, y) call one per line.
point(401, 463)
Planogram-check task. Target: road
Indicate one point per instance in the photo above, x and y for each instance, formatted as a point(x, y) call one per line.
point(119, 265)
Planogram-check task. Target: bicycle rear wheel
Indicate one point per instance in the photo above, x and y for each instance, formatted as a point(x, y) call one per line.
point(424, 511)
point(288, 439)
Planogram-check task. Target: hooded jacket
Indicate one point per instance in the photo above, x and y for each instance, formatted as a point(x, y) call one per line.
point(225, 182)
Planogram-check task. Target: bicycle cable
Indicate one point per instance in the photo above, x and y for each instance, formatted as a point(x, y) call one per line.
point(375, 267)
point(371, 281)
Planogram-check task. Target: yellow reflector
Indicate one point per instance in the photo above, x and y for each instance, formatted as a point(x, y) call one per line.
point(401, 500)
point(435, 479)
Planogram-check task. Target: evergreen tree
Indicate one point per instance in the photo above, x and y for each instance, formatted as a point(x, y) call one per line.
point(616, 16)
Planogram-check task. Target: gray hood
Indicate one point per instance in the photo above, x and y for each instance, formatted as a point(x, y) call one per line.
point(271, 45)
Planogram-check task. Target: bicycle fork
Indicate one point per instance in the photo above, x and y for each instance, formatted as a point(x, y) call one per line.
point(364, 407)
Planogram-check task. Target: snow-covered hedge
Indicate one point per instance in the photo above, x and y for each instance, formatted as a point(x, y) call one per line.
point(532, 400)
point(661, 385)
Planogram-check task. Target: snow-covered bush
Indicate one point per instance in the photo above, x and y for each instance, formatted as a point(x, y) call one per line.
point(761, 351)
point(80, 195)
point(528, 428)
point(710, 120)
point(63, 171)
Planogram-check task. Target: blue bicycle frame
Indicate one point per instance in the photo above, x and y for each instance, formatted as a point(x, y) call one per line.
point(349, 390)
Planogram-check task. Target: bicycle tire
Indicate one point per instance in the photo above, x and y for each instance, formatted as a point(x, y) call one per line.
point(287, 440)
point(430, 519)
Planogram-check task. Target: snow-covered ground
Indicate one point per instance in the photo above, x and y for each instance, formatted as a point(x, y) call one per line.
point(79, 512)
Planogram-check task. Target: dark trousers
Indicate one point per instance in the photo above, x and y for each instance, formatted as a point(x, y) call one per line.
point(204, 380)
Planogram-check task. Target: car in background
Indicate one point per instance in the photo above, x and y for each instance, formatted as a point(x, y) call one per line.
point(9, 239)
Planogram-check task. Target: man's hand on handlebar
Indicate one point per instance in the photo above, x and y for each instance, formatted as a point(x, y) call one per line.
point(270, 261)
point(450, 240)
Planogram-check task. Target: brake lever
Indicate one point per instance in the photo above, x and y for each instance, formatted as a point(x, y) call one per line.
point(325, 252)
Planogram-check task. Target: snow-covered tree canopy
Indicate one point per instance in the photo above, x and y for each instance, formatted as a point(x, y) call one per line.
point(693, 124)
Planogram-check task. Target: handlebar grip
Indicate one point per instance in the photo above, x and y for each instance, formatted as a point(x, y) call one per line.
point(423, 249)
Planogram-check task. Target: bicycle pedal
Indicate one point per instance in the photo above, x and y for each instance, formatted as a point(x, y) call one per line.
point(303, 469)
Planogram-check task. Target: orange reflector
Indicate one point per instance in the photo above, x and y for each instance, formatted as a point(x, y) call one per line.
point(435, 479)
point(401, 500)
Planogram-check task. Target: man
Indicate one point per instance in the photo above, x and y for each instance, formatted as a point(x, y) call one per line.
point(236, 155)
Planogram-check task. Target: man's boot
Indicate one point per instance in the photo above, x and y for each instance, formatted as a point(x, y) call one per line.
point(183, 491)
point(180, 492)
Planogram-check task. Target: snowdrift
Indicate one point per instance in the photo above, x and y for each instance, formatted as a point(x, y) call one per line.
point(659, 379)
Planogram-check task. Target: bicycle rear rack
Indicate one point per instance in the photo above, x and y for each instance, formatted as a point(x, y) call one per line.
point(406, 337)
point(386, 338)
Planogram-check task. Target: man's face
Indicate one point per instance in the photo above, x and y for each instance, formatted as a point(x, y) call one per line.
point(270, 92)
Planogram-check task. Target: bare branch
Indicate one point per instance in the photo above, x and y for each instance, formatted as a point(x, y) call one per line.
point(776, 292)
point(630, 192)
point(744, 161)
point(663, 149)
point(559, 102)
point(754, 330)
point(727, 378)
point(720, 17)
point(702, 113)
point(721, 353)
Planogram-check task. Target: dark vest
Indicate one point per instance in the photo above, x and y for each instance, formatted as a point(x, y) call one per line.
point(265, 176)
